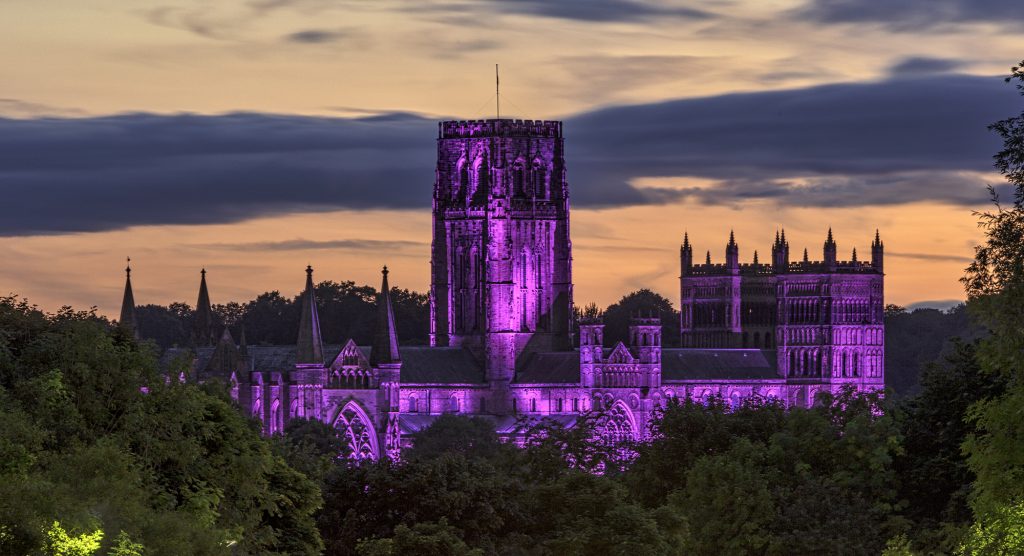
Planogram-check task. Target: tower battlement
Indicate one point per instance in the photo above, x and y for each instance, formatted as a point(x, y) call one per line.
point(468, 129)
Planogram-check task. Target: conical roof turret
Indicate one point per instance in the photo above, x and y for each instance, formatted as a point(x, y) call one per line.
point(384, 350)
point(127, 319)
point(310, 348)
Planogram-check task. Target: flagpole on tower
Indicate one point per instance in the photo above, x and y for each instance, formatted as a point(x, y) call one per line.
point(497, 91)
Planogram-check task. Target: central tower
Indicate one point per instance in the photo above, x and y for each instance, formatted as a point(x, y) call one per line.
point(501, 264)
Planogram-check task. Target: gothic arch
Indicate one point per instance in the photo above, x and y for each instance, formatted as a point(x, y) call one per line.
point(618, 424)
point(358, 431)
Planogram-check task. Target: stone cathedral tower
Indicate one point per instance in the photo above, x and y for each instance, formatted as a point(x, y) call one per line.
point(501, 281)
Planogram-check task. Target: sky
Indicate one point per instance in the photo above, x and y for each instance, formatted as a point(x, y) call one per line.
point(254, 137)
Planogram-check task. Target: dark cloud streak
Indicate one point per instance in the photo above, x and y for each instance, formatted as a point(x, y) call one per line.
point(889, 142)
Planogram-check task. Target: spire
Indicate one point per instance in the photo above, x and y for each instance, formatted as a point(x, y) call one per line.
point(202, 320)
point(876, 252)
point(776, 244)
point(310, 346)
point(732, 253)
point(686, 240)
point(127, 320)
point(806, 258)
point(853, 257)
point(708, 260)
point(782, 239)
point(830, 250)
point(755, 256)
point(385, 336)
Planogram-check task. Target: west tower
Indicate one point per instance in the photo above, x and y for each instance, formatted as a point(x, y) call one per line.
point(501, 265)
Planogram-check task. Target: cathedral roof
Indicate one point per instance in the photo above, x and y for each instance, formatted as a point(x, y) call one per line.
point(557, 367)
point(717, 364)
point(449, 365)
point(437, 365)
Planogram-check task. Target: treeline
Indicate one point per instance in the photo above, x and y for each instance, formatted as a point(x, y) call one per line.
point(345, 309)
point(100, 455)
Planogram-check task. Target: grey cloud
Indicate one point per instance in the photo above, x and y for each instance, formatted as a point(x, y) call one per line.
point(307, 244)
point(849, 140)
point(598, 10)
point(888, 142)
point(930, 257)
point(922, 65)
point(318, 36)
point(912, 14)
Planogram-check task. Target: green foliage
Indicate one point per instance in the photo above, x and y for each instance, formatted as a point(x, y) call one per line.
point(997, 532)
point(617, 317)
point(311, 447)
point(918, 338)
point(177, 470)
point(935, 480)
point(995, 288)
point(60, 543)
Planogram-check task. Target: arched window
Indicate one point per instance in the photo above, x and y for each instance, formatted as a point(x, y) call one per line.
point(276, 418)
point(462, 185)
point(358, 430)
point(482, 175)
point(414, 404)
point(539, 186)
point(453, 404)
point(518, 179)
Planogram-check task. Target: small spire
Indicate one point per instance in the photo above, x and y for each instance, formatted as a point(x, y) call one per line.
point(732, 239)
point(854, 255)
point(782, 239)
point(806, 259)
point(829, 239)
point(127, 319)
point(686, 240)
point(310, 347)
point(878, 239)
point(202, 319)
point(776, 237)
point(708, 259)
point(755, 257)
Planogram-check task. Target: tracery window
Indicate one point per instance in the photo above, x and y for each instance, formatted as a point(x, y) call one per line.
point(358, 431)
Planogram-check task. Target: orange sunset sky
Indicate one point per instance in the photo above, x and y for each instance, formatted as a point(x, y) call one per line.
point(253, 137)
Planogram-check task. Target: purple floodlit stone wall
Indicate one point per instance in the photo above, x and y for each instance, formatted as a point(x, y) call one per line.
point(501, 289)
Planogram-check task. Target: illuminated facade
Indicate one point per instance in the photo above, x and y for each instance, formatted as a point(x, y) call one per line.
point(503, 341)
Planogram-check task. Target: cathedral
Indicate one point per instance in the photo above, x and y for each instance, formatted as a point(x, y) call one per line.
point(504, 343)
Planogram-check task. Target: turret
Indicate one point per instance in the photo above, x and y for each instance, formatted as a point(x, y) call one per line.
point(685, 256)
point(876, 252)
point(310, 349)
point(830, 251)
point(127, 320)
point(780, 252)
point(732, 254)
point(645, 338)
point(202, 319)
